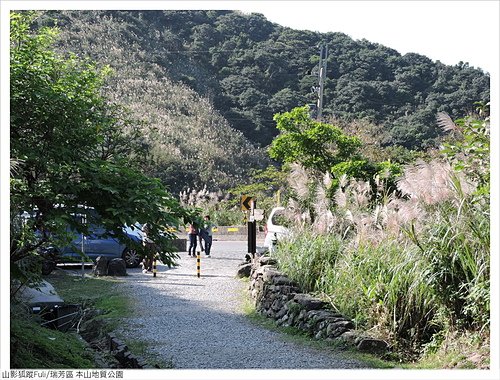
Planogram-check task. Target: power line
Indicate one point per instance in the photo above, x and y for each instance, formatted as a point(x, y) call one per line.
point(223, 50)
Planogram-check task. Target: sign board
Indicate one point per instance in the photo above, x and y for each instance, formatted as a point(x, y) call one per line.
point(258, 214)
point(246, 202)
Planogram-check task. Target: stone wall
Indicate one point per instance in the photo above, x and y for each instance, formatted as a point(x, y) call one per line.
point(279, 298)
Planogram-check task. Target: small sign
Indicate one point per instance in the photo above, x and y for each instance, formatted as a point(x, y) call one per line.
point(246, 202)
point(258, 214)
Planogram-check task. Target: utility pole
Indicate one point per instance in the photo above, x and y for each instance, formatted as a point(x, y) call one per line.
point(323, 56)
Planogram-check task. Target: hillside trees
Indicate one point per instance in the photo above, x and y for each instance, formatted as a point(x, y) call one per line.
point(249, 69)
point(72, 147)
point(321, 147)
point(187, 142)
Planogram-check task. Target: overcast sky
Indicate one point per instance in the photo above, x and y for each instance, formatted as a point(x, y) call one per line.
point(449, 31)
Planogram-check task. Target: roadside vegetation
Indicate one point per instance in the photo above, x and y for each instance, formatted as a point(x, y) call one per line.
point(394, 238)
point(406, 256)
point(84, 345)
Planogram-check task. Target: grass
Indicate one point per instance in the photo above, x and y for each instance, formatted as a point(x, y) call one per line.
point(33, 346)
point(95, 292)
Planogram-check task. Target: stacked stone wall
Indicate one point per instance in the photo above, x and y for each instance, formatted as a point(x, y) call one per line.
point(276, 296)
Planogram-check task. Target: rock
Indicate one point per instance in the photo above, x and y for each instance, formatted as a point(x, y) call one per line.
point(244, 270)
point(43, 295)
point(282, 280)
point(374, 346)
point(100, 267)
point(117, 267)
point(349, 337)
point(269, 273)
point(308, 302)
point(339, 328)
point(266, 260)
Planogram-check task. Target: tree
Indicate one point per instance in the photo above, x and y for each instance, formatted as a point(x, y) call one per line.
point(315, 145)
point(73, 147)
point(323, 148)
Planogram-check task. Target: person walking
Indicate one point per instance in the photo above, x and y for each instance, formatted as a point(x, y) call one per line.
point(206, 235)
point(193, 236)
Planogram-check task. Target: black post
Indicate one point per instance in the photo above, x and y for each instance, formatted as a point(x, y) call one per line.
point(254, 238)
point(249, 236)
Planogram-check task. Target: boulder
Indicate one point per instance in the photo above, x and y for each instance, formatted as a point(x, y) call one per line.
point(117, 267)
point(373, 346)
point(244, 270)
point(100, 267)
point(266, 260)
point(308, 302)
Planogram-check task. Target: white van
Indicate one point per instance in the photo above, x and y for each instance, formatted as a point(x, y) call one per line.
point(273, 230)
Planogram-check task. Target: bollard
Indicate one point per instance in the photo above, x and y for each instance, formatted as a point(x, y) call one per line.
point(198, 264)
point(154, 267)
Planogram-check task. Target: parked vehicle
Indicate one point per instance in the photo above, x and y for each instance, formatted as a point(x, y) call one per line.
point(97, 243)
point(274, 228)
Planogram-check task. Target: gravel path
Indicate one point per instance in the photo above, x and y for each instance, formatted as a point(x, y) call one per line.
point(199, 323)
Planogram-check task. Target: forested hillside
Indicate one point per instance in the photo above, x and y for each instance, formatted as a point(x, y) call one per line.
point(194, 74)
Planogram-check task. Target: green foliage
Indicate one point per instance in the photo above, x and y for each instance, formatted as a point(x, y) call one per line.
point(75, 149)
point(313, 144)
point(411, 265)
point(383, 286)
point(266, 186)
point(33, 346)
point(309, 258)
point(185, 141)
point(469, 151)
point(324, 148)
point(457, 245)
point(252, 68)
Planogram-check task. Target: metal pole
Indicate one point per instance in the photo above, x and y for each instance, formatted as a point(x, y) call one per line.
point(198, 264)
point(154, 266)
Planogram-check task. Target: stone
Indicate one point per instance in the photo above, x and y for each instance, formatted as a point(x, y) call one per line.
point(281, 312)
point(373, 346)
point(266, 260)
point(244, 270)
point(335, 333)
point(260, 270)
point(100, 267)
point(276, 305)
point(319, 335)
point(282, 280)
point(349, 337)
point(269, 273)
point(308, 302)
point(345, 324)
point(320, 315)
point(117, 267)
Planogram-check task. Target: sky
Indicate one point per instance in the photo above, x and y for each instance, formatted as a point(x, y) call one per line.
point(448, 31)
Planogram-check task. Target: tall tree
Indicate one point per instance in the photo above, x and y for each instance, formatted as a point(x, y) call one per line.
point(73, 149)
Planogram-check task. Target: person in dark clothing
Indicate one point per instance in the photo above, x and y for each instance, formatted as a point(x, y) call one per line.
point(193, 236)
point(206, 235)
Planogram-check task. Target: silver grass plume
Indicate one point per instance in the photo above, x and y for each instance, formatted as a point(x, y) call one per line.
point(299, 180)
point(445, 123)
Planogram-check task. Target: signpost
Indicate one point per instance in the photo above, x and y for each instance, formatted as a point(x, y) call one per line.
point(248, 205)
